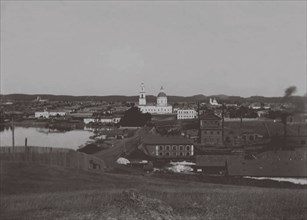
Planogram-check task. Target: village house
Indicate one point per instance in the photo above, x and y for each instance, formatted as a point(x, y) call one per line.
point(81, 115)
point(211, 163)
point(240, 137)
point(258, 106)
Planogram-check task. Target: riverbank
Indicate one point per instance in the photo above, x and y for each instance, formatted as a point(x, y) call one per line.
point(52, 124)
point(41, 136)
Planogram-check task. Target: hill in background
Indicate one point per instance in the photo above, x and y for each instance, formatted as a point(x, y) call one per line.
point(151, 98)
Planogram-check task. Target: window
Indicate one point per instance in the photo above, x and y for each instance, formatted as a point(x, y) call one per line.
point(174, 147)
point(161, 154)
point(180, 147)
point(188, 154)
point(211, 132)
point(218, 132)
point(167, 147)
point(174, 154)
point(188, 147)
point(160, 147)
point(167, 154)
point(227, 139)
point(181, 154)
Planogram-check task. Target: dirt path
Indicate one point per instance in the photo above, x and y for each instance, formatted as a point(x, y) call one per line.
point(120, 147)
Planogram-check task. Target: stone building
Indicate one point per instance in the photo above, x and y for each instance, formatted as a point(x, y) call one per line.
point(211, 130)
point(167, 147)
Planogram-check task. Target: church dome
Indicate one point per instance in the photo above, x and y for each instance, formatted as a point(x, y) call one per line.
point(161, 94)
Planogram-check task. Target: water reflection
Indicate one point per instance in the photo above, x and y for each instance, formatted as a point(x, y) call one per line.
point(45, 137)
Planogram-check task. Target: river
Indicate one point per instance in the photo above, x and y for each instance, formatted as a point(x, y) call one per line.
point(45, 137)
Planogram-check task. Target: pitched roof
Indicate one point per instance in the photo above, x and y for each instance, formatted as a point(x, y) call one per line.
point(209, 116)
point(158, 139)
point(211, 160)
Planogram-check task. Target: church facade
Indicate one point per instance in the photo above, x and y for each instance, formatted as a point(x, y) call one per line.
point(160, 108)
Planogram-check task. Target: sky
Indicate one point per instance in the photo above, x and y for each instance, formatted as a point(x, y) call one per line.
point(242, 48)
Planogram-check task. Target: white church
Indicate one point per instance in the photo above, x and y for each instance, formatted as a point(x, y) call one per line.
point(160, 108)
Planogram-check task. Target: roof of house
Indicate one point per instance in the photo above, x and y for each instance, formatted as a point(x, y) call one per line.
point(81, 114)
point(158, 139)
point(210, 116)
point(238, 131)
point(211, 160)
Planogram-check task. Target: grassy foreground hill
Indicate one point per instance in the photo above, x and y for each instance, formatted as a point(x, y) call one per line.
point(31, 191)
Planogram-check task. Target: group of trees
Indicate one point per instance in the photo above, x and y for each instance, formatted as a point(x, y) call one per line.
point(243, 112)
point(133, 117)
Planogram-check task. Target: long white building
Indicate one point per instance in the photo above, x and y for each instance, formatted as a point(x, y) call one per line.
point(46, 114)
point(160, 108)
point(186, 114)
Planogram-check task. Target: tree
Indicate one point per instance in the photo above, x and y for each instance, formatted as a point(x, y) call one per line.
point(134, 117)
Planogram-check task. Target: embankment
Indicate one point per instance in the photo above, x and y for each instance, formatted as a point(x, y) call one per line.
point(52, 156)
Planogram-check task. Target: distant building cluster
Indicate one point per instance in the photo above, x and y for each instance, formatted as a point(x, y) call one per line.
point(103, 120)
point(48, 114)
point(162, 107)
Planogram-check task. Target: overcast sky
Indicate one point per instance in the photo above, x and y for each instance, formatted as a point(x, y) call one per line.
point(103, 48)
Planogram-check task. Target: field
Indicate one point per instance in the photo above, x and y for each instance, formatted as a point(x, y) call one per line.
point(30, 191)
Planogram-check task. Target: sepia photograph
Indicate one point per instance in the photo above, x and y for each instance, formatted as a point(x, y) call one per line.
point(153, 110)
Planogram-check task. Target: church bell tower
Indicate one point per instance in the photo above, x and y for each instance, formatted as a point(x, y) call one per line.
point(142, 95)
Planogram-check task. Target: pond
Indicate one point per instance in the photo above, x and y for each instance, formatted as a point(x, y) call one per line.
point(45, 137)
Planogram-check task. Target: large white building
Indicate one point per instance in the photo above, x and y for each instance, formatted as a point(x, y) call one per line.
point(186, 114)
point(160, 108)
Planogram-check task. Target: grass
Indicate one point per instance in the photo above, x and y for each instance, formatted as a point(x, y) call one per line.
point(39, 192)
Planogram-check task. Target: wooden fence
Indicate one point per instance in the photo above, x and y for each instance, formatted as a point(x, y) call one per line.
point(52, 156)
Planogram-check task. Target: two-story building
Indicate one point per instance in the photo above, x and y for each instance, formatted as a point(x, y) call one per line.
point(186, 114)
